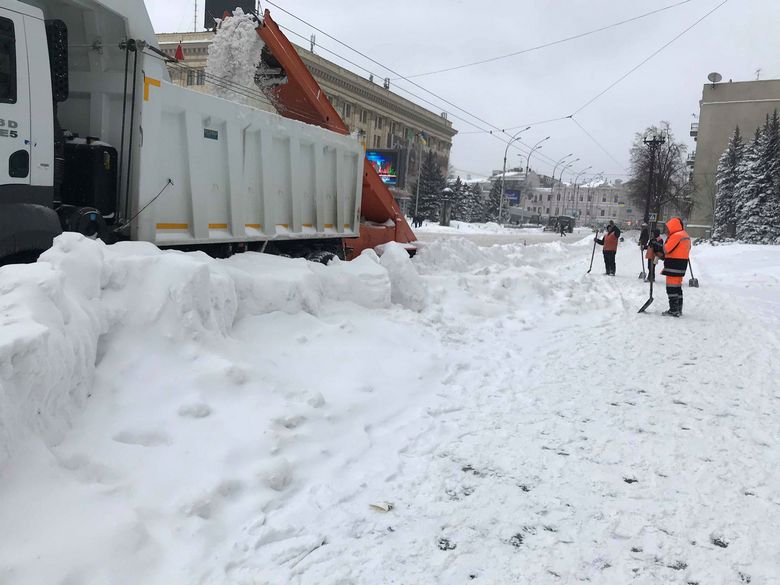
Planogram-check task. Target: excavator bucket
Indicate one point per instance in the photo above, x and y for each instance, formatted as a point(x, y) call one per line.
point(297, 95)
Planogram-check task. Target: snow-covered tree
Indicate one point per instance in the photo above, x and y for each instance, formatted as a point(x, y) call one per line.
point(431, 184)
point(725, 219)
point(757, 196)
point(467, 201)
point(493, 204)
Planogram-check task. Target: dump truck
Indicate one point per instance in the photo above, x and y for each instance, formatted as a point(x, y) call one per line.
point(94, 138)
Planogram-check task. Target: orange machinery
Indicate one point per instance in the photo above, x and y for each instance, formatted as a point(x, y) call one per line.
point(301, 98)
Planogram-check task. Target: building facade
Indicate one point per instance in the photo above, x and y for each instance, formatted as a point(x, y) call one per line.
point(592, 203)
point(723, 107)
point(379, 117)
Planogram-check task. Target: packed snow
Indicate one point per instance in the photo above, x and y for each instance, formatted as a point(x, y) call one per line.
point(479, 414)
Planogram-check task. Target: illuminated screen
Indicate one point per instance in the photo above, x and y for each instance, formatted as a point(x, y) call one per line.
point(386, 164)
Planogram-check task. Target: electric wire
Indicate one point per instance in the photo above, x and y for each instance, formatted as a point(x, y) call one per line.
point(548, 44)
point(400, 76)
point(653, 54)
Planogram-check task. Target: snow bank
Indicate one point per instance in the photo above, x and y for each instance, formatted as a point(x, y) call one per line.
point(234, 55)
point(84, 295)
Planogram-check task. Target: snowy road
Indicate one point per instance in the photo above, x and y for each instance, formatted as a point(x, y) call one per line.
point(525, 423)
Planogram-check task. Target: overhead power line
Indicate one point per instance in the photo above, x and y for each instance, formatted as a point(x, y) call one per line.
point(653, 54)
point(400, 76)
point(546, 45)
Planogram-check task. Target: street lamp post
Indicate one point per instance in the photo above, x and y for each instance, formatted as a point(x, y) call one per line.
point(536, 147)
point(563, 170)
point(576, 186)
point(654, 141)
point(503, 173)
point(419, 174)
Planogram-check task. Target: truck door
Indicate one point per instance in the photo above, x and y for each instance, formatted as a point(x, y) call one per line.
point(14, 106)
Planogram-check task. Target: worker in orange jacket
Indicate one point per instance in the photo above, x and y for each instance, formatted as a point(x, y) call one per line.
point(610, 243)
point(676, 253)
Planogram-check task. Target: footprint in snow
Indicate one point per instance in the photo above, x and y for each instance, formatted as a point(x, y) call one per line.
point(194, 410)
point(142, 438)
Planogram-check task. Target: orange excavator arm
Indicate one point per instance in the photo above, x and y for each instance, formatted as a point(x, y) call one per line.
point(301, 98)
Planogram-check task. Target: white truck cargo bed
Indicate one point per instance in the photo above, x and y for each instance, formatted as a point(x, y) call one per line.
point(239, 174)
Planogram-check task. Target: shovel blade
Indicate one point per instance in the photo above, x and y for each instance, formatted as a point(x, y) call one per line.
point(693, 282)
point(647, 304)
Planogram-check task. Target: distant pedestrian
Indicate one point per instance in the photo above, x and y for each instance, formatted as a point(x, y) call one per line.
point(676, 252)
point(610, 243)
point(655, 249)
point(563, 229)
point(644, 237)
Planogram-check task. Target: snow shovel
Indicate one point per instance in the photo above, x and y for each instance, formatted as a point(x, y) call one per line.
point(643, 274)
point(651, 299)
point(593, 255)
point(693, 282)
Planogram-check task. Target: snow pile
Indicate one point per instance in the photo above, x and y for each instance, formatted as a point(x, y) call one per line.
point(84, 296)
point(265, 420)
point(234, 56)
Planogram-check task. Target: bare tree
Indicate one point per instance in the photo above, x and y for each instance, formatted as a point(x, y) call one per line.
point(667, 185)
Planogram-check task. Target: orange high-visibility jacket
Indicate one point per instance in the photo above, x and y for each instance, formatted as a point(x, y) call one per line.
point(677, 249)
point(610, 242)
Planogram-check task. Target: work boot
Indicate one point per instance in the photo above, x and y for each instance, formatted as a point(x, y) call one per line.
point(680, 306)
point(674, 308)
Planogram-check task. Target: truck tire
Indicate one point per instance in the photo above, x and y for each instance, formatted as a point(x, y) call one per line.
point(26, 230)
point(321, 257)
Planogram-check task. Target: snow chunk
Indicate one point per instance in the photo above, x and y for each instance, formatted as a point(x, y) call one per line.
point(234, 55)
point(407, 288)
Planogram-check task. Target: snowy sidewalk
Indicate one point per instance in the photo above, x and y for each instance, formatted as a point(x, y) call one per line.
point(527, 426)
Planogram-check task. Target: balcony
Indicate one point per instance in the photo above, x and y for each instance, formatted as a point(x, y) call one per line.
point(695, 129)
point(691, 159)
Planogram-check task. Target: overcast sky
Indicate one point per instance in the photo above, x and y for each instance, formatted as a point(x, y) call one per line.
point(416, 36)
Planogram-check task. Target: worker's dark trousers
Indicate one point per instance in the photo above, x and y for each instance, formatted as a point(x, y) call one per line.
point(609, 262)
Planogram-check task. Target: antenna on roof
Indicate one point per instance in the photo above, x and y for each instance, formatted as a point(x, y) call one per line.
point(714, 78)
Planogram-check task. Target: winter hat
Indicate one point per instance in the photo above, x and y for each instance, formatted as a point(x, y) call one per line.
point(657, 233)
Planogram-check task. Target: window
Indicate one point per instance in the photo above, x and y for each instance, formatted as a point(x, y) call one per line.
point(377, 141)
point(190, 77)
point(549, 198)
point(548, 211)
point(602, 213)
point(363, 116)
point(201, 77)
point(7, 62)
point(346, 110)
point(559, 196)
point(389, 141)
point(603, 198)
point(590, 198)
point(378, 123)
point(580, 198)
point(616, 198)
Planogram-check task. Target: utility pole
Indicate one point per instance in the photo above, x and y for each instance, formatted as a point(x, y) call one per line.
point(419, 175)
point(503, 174)
point(654, 141)
point(195, 19)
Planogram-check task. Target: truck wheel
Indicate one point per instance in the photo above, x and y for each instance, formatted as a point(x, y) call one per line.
point(321, 257)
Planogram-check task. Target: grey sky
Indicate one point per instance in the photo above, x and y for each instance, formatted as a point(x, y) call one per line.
point(422, 35)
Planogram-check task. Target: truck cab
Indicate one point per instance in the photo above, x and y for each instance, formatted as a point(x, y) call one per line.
point(28, 222)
